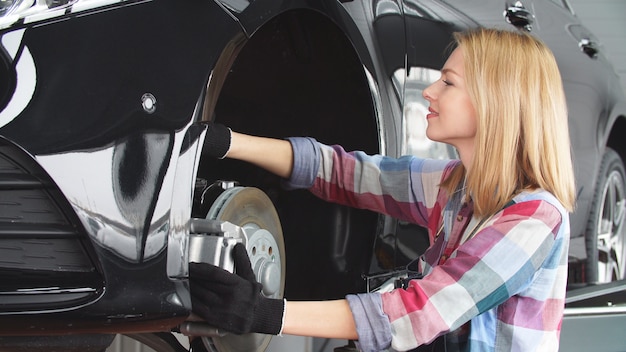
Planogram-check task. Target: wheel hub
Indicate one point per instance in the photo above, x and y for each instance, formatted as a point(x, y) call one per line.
point(266, 264)
point(251, 209)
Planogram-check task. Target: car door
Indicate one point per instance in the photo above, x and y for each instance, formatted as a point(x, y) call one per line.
point(585, 73)
point(427, 28)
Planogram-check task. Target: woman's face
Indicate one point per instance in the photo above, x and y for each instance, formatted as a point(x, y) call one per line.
point(451, 118)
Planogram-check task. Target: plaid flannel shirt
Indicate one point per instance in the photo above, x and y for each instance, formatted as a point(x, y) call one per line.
point(506, 284)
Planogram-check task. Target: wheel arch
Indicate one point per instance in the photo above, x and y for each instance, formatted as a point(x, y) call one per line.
point(592, 273)
point(615, 140)
point(257, 14)
point(290, 78)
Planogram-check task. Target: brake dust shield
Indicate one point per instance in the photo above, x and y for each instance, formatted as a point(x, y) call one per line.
point(251, 209)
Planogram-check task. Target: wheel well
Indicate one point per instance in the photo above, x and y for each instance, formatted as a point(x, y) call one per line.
point(299, 75)
point(616, 137)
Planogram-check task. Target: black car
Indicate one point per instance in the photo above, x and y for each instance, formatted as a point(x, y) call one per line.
point(105, 195)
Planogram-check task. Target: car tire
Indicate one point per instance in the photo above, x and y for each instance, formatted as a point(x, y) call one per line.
point(605, 233)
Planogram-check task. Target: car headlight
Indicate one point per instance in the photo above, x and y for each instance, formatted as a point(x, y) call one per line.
point(12, 11)
point(6, 6)
point(9, 7)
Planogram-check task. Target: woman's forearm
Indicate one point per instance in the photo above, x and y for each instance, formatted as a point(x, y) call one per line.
point(326, 319)
point(271, 154)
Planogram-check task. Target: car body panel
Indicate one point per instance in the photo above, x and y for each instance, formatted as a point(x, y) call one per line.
point(119, 165)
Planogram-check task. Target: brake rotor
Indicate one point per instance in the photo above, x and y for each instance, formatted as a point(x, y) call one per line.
point(251, 209)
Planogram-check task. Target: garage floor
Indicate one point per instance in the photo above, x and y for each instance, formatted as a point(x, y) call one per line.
point(278, 344)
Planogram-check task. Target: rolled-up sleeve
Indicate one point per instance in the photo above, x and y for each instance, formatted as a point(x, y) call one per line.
point(304, 168)
point(372, 323)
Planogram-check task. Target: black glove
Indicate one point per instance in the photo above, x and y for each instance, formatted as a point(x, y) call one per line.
point(233, 302)
point(217, 141)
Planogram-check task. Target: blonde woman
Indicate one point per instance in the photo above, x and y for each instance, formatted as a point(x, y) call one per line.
point(494, 277)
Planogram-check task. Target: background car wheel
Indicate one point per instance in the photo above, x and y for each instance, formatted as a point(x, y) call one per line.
point(252, 209)
point(605, 229)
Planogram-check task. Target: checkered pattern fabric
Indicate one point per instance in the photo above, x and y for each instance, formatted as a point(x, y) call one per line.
point(501, 290)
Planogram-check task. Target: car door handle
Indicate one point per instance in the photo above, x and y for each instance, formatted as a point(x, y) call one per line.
point(517, 15)
point(589, 47)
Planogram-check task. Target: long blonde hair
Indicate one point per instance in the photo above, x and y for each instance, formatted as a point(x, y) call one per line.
point(522, 139)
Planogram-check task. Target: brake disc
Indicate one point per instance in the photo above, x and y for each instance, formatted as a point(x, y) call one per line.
point(251, 209)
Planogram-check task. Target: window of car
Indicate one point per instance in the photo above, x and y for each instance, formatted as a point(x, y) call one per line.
point(414, 139)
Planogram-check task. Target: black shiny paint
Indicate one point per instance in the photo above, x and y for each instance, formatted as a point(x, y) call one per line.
point(91, 73)
point(89, 94)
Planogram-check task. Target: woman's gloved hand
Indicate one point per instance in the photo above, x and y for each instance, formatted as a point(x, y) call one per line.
point(217, 141)
point(233, 302)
